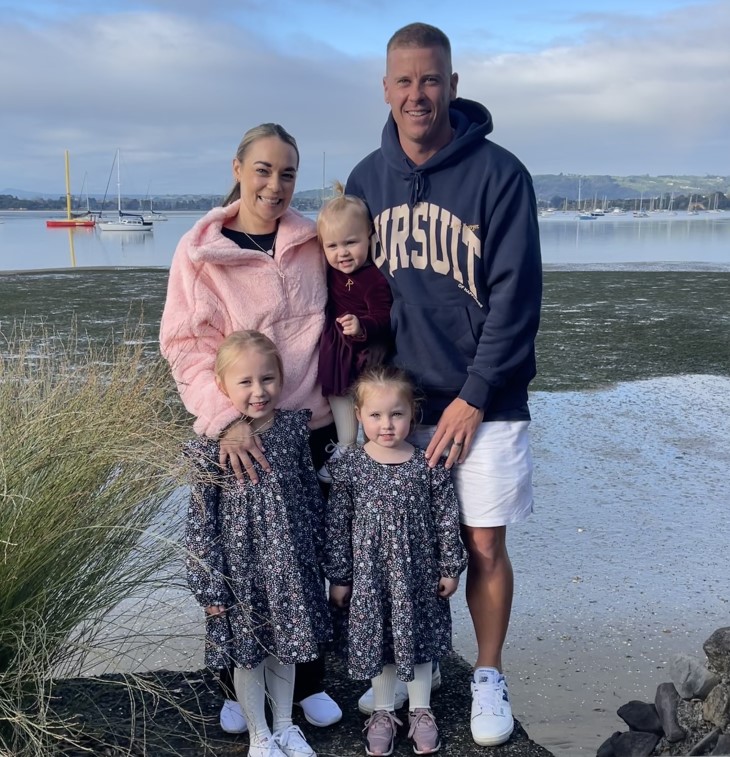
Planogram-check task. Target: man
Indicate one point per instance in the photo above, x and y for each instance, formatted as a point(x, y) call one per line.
point(457, 238)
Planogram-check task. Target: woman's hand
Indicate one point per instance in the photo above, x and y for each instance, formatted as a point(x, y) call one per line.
point(350, 325)
point(340, 595)
point(214, 610)
point(447, 586)
point(237, 446)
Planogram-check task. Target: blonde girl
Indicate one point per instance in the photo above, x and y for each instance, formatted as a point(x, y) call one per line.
point(254, 549)
point(393, 558)
point(357, 322)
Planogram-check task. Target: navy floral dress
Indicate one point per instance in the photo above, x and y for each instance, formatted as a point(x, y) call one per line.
point(392, 533)
point(256, 549)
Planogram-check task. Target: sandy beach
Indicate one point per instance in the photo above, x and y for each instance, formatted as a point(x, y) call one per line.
point(622, 564)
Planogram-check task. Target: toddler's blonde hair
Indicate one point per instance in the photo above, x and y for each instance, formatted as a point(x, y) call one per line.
point(381, 376)
point(338, 205)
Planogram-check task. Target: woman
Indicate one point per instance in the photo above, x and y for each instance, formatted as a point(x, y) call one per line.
point(253, 263)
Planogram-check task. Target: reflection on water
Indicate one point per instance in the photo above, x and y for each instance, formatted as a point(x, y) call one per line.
point(567, 240)
point(660, 241)
point(71, 246)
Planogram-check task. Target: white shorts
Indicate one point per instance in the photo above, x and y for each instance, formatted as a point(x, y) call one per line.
point(494, 483)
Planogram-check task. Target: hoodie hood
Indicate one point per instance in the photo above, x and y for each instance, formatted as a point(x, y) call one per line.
point(471, 123)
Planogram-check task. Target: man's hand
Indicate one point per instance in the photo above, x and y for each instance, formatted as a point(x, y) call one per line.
point(456, 429)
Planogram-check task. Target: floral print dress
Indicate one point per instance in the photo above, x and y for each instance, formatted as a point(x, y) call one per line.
point(392, 533)
point(256, 549)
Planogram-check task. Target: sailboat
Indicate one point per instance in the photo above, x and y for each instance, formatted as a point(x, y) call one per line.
point(70, 220)
point(125, 221)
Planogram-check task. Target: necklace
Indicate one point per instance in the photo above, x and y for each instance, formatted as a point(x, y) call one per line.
point(269, 239)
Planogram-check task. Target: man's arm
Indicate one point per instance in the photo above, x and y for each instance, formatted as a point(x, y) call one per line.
point(513, 269)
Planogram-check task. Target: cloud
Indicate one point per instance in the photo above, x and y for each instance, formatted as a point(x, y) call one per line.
point(176, 93)
point(630, 98)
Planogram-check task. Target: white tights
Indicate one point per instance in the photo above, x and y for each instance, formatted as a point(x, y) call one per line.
point(419, 689)
point(251, 688)
point(343, 413)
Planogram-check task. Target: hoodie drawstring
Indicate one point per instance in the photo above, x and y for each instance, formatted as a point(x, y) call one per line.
point(418, 185)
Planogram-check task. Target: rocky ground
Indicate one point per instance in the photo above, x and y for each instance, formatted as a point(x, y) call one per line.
point(166, 714)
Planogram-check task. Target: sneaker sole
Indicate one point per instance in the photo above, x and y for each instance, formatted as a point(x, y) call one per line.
point(494, 740)
point(380, 754)
point(232, 730)
point(433, 750)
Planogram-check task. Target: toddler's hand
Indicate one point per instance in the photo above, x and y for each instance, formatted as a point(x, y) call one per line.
point(214, 610)
point(447, 586)
point(350, 325)
point(340, 595)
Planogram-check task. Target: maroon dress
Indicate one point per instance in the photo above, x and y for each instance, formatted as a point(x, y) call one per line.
point(365, 294)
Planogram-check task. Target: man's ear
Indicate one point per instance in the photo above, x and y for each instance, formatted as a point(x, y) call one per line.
point(453, 84)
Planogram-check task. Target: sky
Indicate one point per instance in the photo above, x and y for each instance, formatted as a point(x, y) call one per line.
point(629, 88)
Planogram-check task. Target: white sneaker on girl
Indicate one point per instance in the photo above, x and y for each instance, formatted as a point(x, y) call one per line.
point(267, 747)
point(292, 743)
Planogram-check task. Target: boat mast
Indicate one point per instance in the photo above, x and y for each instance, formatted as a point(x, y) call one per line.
point(68, 188)
point(119, 187)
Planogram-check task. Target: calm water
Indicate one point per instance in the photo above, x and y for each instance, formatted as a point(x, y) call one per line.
point(663, 240)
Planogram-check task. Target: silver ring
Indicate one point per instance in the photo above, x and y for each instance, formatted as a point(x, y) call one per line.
point(458, 444)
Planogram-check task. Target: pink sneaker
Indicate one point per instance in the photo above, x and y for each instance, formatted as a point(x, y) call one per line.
point(380, 729)
point(423, 731)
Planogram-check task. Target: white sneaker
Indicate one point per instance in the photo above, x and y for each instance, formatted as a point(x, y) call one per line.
point(366, 703)
point(491, 714)
point(291, 741)
point(320, 709)
point(267, 747)
point(232, 719)
point(337, 451)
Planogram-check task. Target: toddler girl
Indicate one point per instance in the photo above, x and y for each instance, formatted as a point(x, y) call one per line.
point(357, 319)
point(253, 549)
point(393, 555)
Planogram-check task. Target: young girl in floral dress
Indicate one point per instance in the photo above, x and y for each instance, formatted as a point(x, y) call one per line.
point(254, 549)
point(393, 558)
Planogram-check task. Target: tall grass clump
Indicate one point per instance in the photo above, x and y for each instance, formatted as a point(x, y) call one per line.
point(89, 456)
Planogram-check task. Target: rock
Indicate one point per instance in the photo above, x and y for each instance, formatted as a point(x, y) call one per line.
point(716, 708)
point(723, 745)
point(706, 743)
point(690, 676)
point(641, 716)
point(634, 744)
point(606, 749)
point(666, 702)
point(717, 649)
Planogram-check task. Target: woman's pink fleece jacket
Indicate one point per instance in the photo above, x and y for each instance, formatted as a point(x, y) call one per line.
point(215, 287)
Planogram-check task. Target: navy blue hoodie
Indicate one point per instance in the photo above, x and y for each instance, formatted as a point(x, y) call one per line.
point(457, 239)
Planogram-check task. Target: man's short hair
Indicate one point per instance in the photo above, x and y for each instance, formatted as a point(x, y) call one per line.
point(420, 35)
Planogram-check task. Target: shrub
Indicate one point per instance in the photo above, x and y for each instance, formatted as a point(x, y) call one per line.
point(89, 458)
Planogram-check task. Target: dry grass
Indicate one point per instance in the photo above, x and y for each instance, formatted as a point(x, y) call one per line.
point(89, 456)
